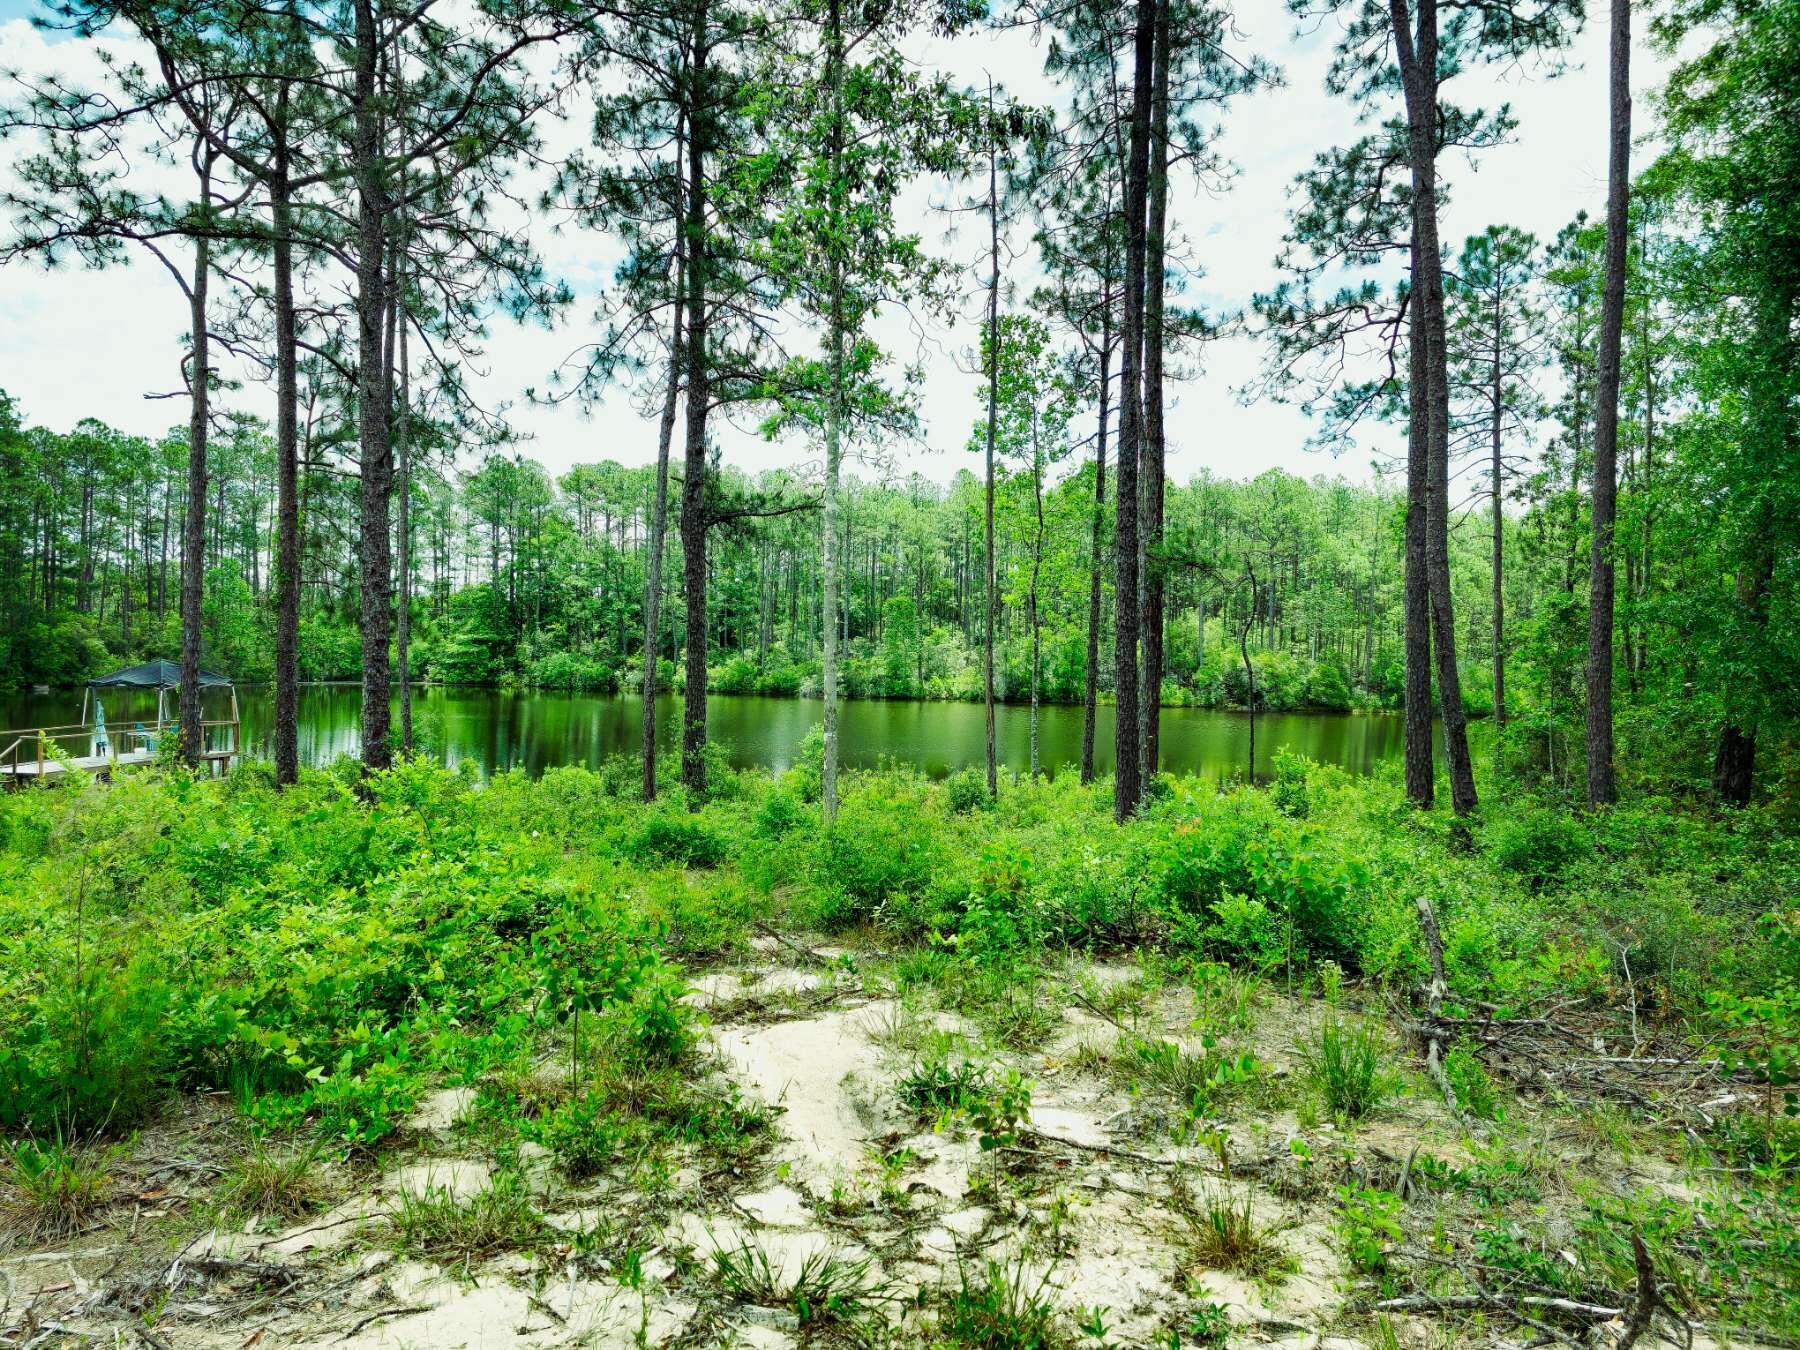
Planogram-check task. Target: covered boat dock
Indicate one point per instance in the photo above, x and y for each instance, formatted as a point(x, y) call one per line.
point(45, 754)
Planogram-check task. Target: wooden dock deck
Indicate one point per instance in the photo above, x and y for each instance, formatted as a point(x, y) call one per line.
point(40, 755)
point(32, 771)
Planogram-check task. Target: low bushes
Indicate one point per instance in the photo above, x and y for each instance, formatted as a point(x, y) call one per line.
point(327, 953)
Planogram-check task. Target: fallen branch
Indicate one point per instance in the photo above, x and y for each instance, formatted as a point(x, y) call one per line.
point(805, 953)
point(1434, 1003)
point(386, 1312)
point(1566, 1307)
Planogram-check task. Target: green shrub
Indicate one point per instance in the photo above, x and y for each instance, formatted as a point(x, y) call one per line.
point(581, 1135)
point(1473, 1087)
point(966, 790)
point(780, 814)
point(880, 848)
point(85, 1050)
point(679, 837)
point(1538, 845)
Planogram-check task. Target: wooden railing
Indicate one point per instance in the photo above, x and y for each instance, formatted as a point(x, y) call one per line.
point(34, 744)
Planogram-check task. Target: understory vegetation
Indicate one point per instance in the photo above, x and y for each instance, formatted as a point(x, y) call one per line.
point(322, 962)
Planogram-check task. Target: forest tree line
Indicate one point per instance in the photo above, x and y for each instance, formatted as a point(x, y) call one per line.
point(1599, 466)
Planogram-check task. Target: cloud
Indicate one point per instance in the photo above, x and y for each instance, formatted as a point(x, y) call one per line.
point(77, 343)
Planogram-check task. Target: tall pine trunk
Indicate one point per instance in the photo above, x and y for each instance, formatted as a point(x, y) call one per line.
point(659, 510)
point(1418, 67)
point(834, 429)
point(1497, 468)
point(1602, 782)
point(403, 564)
point(372, 408)
point(193, 525)
point(1127, 782)
point(287, 468)
point(993, 415)
point(1090, 693)
point(693, 484)
point(1037, 567)
point(1421, 775)
point(1150, 535)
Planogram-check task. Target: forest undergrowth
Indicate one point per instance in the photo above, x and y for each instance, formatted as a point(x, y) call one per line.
point(379, 1058)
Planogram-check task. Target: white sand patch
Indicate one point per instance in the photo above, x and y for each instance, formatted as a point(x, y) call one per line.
point(493, 1312)
point(816, 1070)
point(459, 1177)
point(440, 1112)
point(782, 1206)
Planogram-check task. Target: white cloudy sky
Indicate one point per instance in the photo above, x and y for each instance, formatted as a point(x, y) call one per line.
point(76, 344)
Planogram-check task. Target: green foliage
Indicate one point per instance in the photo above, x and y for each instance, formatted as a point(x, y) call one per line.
point(1369, 1226)
point(1540, 845)
point(580, 1133)
point(51, 1190)
point(1473, 1086)
point(1001, 1306)
point(936, 1088)
point(966, 790)
point(437, 1222)
point(1764, 1027)
point(674, 835)
point(1346, 1062)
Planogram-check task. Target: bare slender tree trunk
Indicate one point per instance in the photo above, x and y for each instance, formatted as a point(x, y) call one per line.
point(1421, 775)
point(834, 443)
point(993, 414)
point(287, 470)
point(1150, 535)
point(1249, 668)
point(1418, 67)
point(659, 511)
point(403, 568)
point(1127, 782)
point(1497, 468)
point(193, 525)
point(1090, 696)
point(694, 467)
point(1602, 782)
point(373, 409)
point(1037, 567)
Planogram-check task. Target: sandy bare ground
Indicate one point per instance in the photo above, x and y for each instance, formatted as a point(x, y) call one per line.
point(1093, 1209)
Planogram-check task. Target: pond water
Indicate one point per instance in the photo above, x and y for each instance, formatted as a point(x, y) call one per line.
point(535, 730)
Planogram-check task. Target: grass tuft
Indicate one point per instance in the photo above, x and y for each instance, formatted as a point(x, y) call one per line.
point(438, 1223)
point(286, 1185)
point(1344, 1062)
point(1001, 1307)
point(1225, 1235)
point(50, 1190)
point(827, 1288)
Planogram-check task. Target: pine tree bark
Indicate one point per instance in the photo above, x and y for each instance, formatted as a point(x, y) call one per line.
point(1421, 774)
point(993, 416)
point(193, 525)
point(1497, 469)
point(694, 467)
point(1418, 55)
point(834, 432)
point(287, 464)
point(1602, 781)
point(375, 452)
point(659, 511)
point(403, 568)
point(1150, 533)
point(1090, 695)
point(1127, 782)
